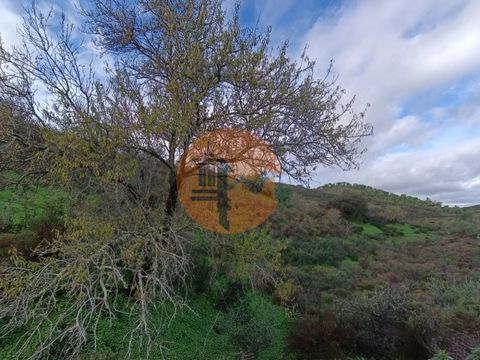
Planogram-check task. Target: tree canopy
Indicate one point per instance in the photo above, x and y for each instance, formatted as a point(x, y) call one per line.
point(179, 69)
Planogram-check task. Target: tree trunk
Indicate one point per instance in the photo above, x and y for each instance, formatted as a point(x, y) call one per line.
point(170, 207)
point(172, 198)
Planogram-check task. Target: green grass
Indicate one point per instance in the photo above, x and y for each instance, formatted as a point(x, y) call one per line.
point(196, 332)
point(20, 209)
point(369, 229)
point(404, 229)
point(190, 335)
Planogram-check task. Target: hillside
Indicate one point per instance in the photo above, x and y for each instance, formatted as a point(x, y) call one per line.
point(379, 274)
point(360, 273)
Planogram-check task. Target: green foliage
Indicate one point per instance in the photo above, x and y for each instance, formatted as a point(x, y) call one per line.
point(403, 229)
point(186, 334)
point(415, 257)
point(323, 250)
point(257, 326)
point(474, 354)
point(457, 302)
point(23, 209)
point(352, 205)
point(464, 228)
point(340, 284)
point(369, 229)
point(250, 257)
point(441, 355)
point(283, 195)
point(196, 332)
point(373, 321)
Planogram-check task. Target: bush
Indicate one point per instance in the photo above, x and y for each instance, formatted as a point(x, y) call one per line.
point(351, 204)
point(393, 213)
point(335, 224)
point(378, 325)
point(283, 195)
point(441, 355)
point(24, 243)
point(464, 228)
point(316, 336)
point(250, 258)
point(323, 251)
point(474, 354)
point(257, 327)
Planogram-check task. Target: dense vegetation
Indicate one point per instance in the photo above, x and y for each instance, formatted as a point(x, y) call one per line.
point(342, 271)
point(381, 275)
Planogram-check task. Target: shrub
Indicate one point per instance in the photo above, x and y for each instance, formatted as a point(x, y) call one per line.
point(393, 213)
point(257, 327)
point(224, 293)
point(351, 204)
point(250, 258)
point(324, 250)
point(316, 336)
point(378, 325)
point(283, 195)
point(441, 355)
point(285, 293)
point(474, 354)
point(464, 228)
point(334, 223)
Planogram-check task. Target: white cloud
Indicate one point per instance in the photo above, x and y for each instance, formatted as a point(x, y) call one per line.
point(407, 131)
point(443, 174)
point(391, 52)
point(8, 24)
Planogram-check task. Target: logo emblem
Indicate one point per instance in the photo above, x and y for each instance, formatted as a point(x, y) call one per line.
point(225, 181)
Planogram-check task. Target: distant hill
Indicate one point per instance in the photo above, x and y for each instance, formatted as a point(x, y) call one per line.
point(379, 204)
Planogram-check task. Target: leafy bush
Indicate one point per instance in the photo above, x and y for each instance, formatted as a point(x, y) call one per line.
point(351, 204)
point(283, 195)
point(316, 336)
point(441, 355)
point(324, 250)
point(249, 258)
point(474, 354)
point(378, 325)
point(458, 302)
point(464, 228)
point(257, 327)
point(393, 213)
point(31, 206)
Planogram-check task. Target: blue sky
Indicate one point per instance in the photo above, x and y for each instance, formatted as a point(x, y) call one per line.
point(417, 64)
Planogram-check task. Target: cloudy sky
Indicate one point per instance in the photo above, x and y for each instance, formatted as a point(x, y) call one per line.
point(416, 62)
